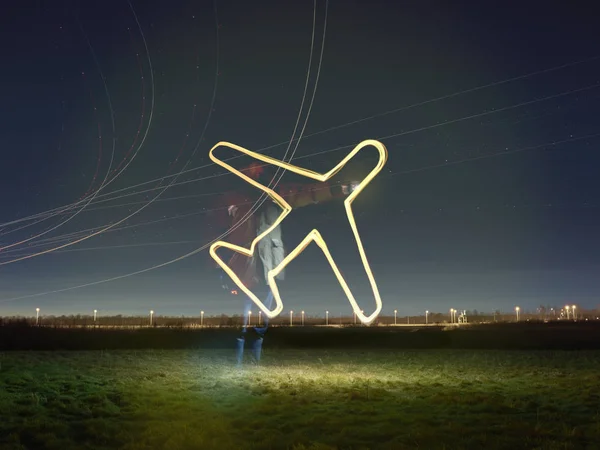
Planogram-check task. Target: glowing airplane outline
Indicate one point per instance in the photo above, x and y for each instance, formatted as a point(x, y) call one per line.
point(314, 235)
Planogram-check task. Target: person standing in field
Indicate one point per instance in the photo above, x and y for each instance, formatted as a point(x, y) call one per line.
point(271, 249)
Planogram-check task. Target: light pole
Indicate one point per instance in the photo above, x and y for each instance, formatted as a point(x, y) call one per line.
point(326, 317)
point(574, 313)
point(395, 317)
point(201, 318)
point(302, 318)
point(451, 315)
point(426, 317)
point(517, 310)
point(249, 318)
point(37, 316)
point(567, 309)
point(259, 318)
point(291, 318)
point(151, 314)
point(95, 314)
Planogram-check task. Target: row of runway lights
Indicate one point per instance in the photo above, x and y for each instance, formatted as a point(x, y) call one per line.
point(570, 310)
point(452, 313)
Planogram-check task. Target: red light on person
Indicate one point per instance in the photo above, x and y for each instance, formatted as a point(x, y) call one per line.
point(254, 170)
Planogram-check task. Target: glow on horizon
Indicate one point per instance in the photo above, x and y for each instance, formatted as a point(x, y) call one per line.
point(313, 236)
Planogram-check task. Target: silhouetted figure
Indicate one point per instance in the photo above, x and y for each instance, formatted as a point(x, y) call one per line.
point(271, 249)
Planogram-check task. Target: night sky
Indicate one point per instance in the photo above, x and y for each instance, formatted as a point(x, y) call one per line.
point(490, 197)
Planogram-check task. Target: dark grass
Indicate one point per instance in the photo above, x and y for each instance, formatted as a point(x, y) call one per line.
point(317, 399)
point(548, 336)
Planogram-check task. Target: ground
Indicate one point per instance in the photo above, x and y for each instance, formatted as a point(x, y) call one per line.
point(317, 399)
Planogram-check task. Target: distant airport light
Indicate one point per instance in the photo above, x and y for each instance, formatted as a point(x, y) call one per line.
point(302, 318)
point(291, 318)
point(518, 310)
point(37, 316)
point(326, 317)
point(426, 317)
point(395, 317)
point(250, 317)
point(201, 318)
point(151, 314)
point(95, 314)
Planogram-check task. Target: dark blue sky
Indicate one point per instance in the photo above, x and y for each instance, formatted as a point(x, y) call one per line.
point(476, 208)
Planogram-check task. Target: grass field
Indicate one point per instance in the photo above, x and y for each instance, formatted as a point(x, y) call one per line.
point(196, 399)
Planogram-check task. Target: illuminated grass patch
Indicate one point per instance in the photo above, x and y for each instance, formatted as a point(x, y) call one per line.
point(300, 400)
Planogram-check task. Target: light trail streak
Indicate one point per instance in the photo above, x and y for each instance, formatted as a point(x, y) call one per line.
point(404, 108)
